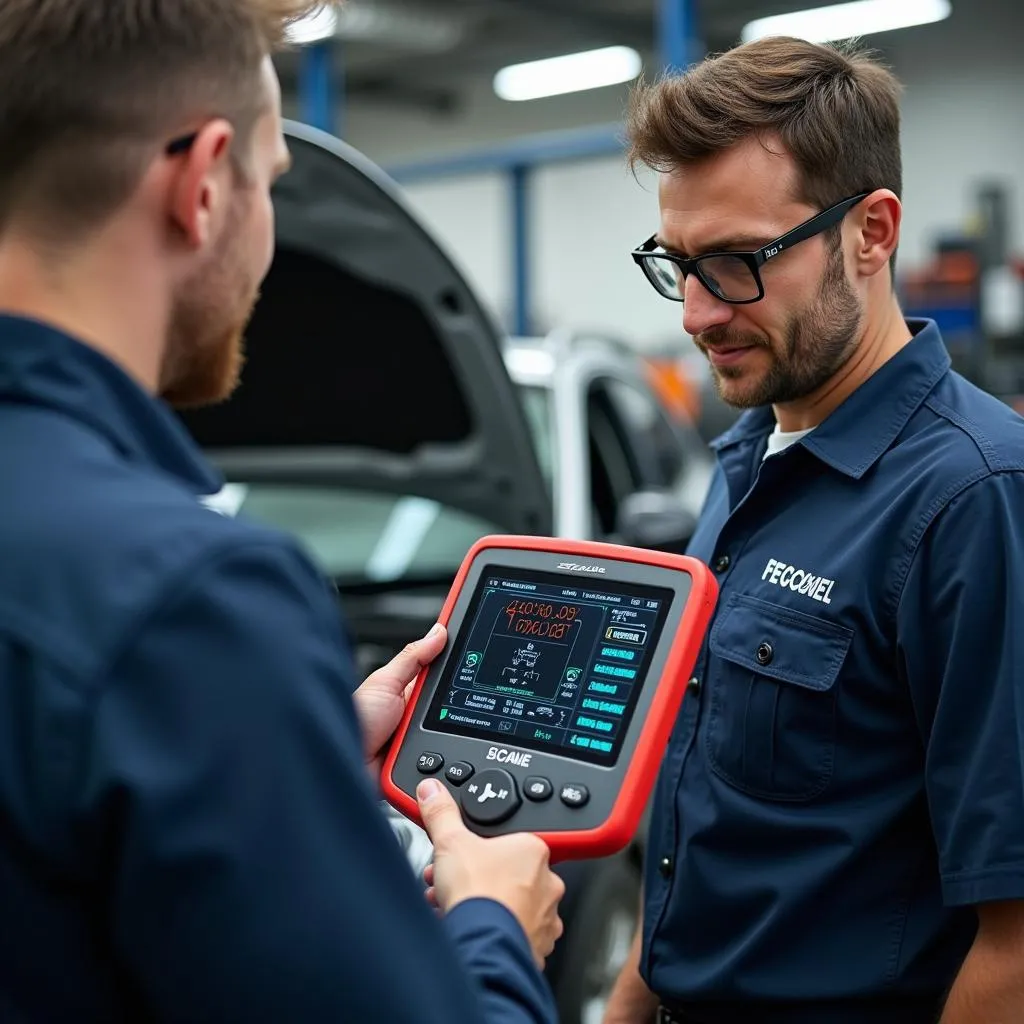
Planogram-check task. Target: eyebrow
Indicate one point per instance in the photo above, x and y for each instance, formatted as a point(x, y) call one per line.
point(742, 243)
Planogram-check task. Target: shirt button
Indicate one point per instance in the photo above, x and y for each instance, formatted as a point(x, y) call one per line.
point(723, 563)
point(765, 653)
point(694, 686)
point(665, 866)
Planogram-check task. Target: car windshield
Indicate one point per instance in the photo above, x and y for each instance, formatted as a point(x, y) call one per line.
point(361, 536)
point(358, 537)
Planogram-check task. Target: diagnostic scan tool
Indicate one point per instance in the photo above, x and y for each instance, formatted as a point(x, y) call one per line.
point(550, 709)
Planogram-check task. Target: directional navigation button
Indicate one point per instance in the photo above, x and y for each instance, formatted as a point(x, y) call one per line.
point(491, 797)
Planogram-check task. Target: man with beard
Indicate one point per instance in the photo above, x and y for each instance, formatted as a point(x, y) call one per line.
point(188, 823)
point(838, 830)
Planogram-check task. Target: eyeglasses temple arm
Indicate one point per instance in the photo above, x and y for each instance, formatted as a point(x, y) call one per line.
point(812, 227)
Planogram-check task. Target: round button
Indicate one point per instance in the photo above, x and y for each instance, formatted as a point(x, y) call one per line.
point(665, 866)
point(457, 772)
point(574, 795)
point(722, 563)
point(765, 653)
point(491, 797)
point(694, 686)
point(429, 764)
point(537, 788)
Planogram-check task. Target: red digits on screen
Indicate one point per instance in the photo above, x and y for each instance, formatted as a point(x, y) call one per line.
point(529, 626)
point(533, 618)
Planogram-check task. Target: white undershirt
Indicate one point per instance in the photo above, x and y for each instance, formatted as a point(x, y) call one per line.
point(780, 440)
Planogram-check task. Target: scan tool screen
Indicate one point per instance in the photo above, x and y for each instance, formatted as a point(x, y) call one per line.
point(550, 662)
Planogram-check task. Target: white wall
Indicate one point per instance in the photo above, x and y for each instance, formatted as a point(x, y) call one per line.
point(469, 215)
point(588, 216)
point(963, 118)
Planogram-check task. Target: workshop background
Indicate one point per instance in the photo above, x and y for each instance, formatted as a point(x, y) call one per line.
point(454, 341)
point(534, 200)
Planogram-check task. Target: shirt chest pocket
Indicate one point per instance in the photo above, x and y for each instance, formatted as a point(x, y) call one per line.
point(771, 729)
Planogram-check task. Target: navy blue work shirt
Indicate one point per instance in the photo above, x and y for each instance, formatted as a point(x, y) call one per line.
point(846, 777)
point(187, 830)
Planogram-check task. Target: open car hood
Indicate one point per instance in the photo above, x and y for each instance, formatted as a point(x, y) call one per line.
point(370, 363)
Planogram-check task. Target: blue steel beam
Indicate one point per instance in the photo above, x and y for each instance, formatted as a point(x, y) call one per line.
point(522, 290)
point(544, 148)
point(678, 37)
point(318, 104)
point(339, 94)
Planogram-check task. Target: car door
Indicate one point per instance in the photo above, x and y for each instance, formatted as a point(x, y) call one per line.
point(643, 467)
point(670, 453)
point(615, 464)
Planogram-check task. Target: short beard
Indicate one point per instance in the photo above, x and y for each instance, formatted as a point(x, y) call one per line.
point(818, 343)
point(208, 375)
point(204, 354)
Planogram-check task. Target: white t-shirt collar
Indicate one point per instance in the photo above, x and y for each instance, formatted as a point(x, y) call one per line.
point(779, 440)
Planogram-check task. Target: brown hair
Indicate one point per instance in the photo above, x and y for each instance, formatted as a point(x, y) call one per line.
point(90, 89)
point(835, 110)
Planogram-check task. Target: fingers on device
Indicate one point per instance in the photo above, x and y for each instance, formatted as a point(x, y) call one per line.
point(550, 709)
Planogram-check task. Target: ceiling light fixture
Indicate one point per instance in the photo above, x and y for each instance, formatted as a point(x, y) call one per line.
point(847, 21)
point(321, 24)
point(575, 72)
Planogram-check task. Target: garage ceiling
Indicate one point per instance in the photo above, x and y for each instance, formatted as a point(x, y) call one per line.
point(421, 53)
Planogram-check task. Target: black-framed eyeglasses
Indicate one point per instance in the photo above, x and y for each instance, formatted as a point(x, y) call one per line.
point(182, 144)
point(733, 277)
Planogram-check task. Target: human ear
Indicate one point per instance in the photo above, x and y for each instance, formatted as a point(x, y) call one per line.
point(197, 190)
point(877, 223)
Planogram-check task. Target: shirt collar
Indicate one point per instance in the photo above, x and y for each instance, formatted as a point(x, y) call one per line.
point(856, 435)
point(40, 365)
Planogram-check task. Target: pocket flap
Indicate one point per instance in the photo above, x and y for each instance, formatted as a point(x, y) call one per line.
point(780, 642)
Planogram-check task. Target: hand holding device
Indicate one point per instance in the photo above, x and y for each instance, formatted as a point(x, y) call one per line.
point(513, 870)
point(381, 700)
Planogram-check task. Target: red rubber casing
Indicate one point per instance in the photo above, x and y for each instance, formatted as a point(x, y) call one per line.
point(621, 824)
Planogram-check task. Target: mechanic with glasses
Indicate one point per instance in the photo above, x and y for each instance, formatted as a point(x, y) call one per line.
point(838, 829)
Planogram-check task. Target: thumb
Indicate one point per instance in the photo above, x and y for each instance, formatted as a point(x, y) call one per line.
point(441, 816)
point(399, 673)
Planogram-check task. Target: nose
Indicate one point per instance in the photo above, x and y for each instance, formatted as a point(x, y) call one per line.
point(702, 310)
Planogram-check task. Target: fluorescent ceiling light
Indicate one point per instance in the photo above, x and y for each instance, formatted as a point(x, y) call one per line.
point(846, 21)
point(575, 72)
point(313, 28)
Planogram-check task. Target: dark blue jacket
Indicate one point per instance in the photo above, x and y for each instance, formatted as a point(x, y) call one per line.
point(846, 779)
point(187, 829)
